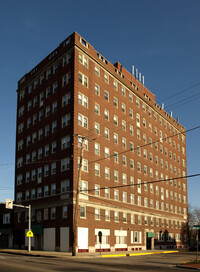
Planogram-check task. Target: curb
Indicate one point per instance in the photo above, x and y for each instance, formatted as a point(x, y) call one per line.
point(138, 254)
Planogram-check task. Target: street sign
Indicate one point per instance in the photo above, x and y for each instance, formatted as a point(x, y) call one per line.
point(9, 203)
point(197, 227)
point(29, 233)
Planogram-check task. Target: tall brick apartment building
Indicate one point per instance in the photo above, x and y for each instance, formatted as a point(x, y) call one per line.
point(134, 159)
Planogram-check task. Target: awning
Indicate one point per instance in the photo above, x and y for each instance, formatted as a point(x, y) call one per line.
point(150, 234)
point(37, 229)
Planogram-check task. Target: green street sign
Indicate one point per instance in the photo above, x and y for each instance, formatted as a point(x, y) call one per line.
point(196, 227)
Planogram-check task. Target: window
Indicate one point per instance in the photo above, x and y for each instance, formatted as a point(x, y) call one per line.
point(123, 125)
point(131, 113)
point(53, 168)
point(116, 194)
point(116, 216)
point(137, 120)
point(115, 117)
point(97, 70)
point(106, 95)
point(97, 108)
point(115, 84)
point(66, 99)
point(66, 79)
point(67, 58)
point(65, 186)
point(83, 186)
point(116, 175)
point(116, 157)
point(97, 214)
point(131, 97)
point(97, 190)
point(65, 164)
point(82, 100)
point(53, 213)
point(97, 89)
point(83, 79)
point(97, 148)
point(106, 78)
point(107, 152)
point(82, 212)
point(107, 173)
point(115, 138)
point(82, 121)
point(106, 114)
point(115, 102)
point(124, 196)
point(65, 142)
point(6, 218)
point(83, 60)
point(124, 178)
point(65, 212)
point(123, 142)
point(107, 193)
point(97, 169)
point(97, 128)
point(124, 160)
point(123, 108)
point(107, 215)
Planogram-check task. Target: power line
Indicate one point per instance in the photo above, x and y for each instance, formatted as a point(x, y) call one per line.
point(142, 183)
point(141, 146)
point(125, 151)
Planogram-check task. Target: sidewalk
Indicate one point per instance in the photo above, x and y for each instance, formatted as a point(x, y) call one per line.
point(54, 254)
point(190, 265)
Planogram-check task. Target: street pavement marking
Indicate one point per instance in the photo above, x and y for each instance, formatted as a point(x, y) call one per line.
point(138, 254)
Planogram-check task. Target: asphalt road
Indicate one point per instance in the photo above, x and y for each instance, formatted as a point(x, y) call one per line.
point(154, 263)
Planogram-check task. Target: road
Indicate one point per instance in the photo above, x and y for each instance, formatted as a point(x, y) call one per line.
point(154, 263)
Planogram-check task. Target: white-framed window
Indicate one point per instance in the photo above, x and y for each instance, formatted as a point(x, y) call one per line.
point(83, 100)
point(82, 212)
point(97, 190)
point(65, 164)
point(66, 120)
point(83, 79)
point(97, 109)
point(106, 77)
point(67, 58)
point(107, 215)
point(106, 95)
point(97, 70)
point(97, 214)
point(107, 193)
point(82, 120)
point(65, 186)
point(116, 216)
point(116, 194)
point(107, 152)
point(97, 128)
point(83, 60)
point(66, 99)
point(116, 175)
point(97, 169)
point(65, 142)
point(137, 119)
point(107, 172)
point(97, 148)
point(66, 79)
point(106, 114)
point(83, 186)
point(97, 89)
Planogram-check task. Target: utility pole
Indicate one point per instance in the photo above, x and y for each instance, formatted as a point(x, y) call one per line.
point(77, 198)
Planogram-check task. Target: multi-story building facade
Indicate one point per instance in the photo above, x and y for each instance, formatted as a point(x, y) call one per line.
point(132, 183)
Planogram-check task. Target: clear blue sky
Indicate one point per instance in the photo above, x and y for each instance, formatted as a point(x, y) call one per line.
point(161, 38)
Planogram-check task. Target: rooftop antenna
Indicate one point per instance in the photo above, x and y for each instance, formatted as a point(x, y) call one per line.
point(143, 80)
point(133, 70)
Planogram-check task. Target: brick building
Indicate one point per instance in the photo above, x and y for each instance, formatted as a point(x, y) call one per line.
point(132, 145)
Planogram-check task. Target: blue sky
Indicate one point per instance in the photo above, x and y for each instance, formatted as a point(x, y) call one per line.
point(161, 38)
